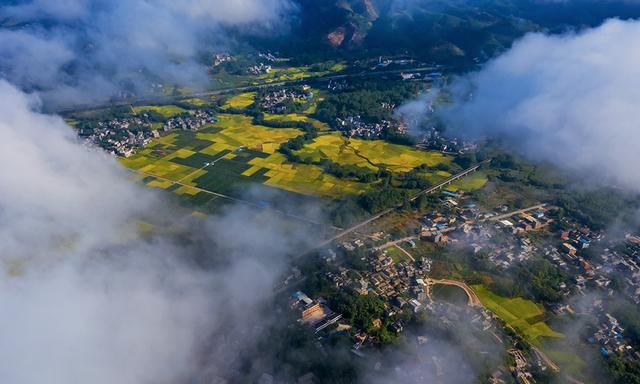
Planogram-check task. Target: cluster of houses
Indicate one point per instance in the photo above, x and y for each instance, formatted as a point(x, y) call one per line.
point(623, 260)
point(337, 85)
point(431, 138)
point(609, 336)
point(396, 281)
point(404, 284)
point(221, 58)
point(259, 69)
point(525, 222)
point(314, 313)
point(567, 255)
point(355, 126)
point(276, 101)
point(121, 136)
point(267, 56)
point(189, 121)
point(520, 367)
point(609, 333)
point(431, 77)
point(384, 62)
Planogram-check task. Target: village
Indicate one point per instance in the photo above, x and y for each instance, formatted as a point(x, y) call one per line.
point(123, 136)
point(508, 237)
point(120, 136)
point(189, 121)
point(280, 101)
point(355, 126)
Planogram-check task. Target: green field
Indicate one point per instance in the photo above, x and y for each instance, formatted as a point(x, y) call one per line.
point(523, 315)
point(240, 101)
point(396, 255)
point(241, 153)
point(469, 183)
point(164, 110)
point(371, 154)
point(195, 101)
point(296, 118)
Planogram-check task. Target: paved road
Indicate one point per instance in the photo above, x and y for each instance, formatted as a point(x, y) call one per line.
point(394, 242)
point(389, 210)
point(519, 211)
point(405, 252)
point(546, 359)
point(474, 301)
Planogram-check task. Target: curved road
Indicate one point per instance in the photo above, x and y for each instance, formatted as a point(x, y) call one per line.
point(473, 299)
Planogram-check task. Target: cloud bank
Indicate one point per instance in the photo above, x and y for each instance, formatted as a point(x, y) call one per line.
point(86, 296)
point(79, 51)
point(571, 100)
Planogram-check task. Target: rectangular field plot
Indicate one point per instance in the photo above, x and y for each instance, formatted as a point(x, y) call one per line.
point(227, 156)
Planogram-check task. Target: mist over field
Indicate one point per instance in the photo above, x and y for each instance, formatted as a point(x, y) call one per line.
point(105, 280)
point(569, 99)
point(81, 51)
point(87, 295)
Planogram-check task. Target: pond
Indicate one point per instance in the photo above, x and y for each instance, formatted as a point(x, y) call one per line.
point(451, 294)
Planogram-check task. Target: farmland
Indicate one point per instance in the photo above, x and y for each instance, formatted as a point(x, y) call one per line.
point(240, 101)
point(469, 183)
point(164, 110)
point(238, 152)
point(298, 73)
point(372, 154)
point(523, 315)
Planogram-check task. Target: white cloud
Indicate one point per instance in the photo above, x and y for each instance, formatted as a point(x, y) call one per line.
point(77, 51)
point(572, 100)
point(85, 299)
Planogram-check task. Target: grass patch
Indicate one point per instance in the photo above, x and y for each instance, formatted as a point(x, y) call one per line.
point(371, 154)
point(472, 182)
point(240, 101)
point(164, 110)
point(523, 315)
point(195, 101)
point(396, 255)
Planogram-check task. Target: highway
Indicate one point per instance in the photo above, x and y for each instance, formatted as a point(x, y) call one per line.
point(389, 210)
